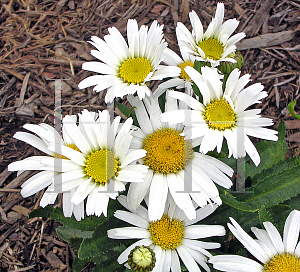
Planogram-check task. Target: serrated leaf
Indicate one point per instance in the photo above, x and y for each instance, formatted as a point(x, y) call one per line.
point(111, 265)
point(87, 224)
point(230, 200)
point(276, 169)
point(294, 203)
point(78, 264)
point(99, 246)
point(67, 233)
point(279, 214)
point(222, 214)
point(291, 108)
point(73, 236)
point(276, 189)
point(264, 216)
point(271, 152)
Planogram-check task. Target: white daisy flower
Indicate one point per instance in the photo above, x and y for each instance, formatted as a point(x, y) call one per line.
point(181, 81)
point(96, 167)
point(170, 237)
point(126, 69)
point(173, 165)
point(273, 253)
point(223, 115)
point(46, 136)
point(215, 44)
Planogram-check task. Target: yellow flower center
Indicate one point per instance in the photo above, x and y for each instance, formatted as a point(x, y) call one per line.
point(167, 233)
point(135, 70)
point(102, 166)
point(283, 263)
point(167, 151)
point(56, 155)
point(183, 74)
point(212, 48)
point(219, 115)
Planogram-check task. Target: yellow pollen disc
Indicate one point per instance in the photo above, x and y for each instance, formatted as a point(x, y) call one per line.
point(183, 74)
point(102, 166)
point(212, 48)
point(135, 70)
point(167, 233)
point(167, 151)
point(55, 155)
point(219, 115)
point(283, 263)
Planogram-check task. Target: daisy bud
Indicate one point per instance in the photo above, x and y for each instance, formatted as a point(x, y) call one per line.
point(141, 259)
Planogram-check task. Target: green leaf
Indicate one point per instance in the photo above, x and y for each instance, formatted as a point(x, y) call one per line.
point(197, 66)
point(222, 214)
point(230, 200)
point(101, 247)
point(279, 214)
point(111, 265)
point(78, 264)
point(87, 224)
point(73, 236)
point(271, 152)
point(276, 189)
point(67, 233)
point(128, 112)
point(197, 92)
point(264, 216)
point(294, 203)
point(276, 169)
point(291, 107)
point(162, 102)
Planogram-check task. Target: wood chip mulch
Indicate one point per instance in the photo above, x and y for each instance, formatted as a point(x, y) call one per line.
point(44, 40)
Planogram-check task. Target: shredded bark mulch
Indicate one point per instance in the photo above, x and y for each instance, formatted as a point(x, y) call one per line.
point(44, 40)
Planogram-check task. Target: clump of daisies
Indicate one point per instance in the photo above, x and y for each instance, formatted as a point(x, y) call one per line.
point(158, 159)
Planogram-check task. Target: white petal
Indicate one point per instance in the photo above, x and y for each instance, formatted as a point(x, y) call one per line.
point(291, 231)
point(203, 231)
point(37, 182)
point(128, 233)
point(187, 259)
point(157, 196)
point(133, 156)
point(175, 265)
point(235, 263)
point(180, 195)
point(33, 141)
point(132, 219)
point(274, 236)
point(137, 191)
point(248, 241)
